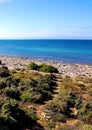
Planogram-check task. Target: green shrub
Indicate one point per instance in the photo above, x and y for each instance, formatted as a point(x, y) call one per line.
point(66, 96)
point(83, 127)
point(32, 66)
point(26, 97)
point(82, 86)
point(78, 103)
point(85, 112)
point(2, 84)
point(1, 102)
point(58, 117)
point(90, 91)
point(14, 117)
point(42, 67)
point(36, 97)
point(57, 111)
point(86, 127)
point(38, 90)
point(11, 82)
point(12, 93)
point(4, 72)
point(59, 108)
point(48, 68)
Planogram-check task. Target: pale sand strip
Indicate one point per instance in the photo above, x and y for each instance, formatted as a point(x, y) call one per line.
point(64, 68)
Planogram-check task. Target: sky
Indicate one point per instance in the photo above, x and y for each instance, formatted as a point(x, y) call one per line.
point(45, 19)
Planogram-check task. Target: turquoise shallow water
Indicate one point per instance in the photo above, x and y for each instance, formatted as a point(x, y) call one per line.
point(75, 51)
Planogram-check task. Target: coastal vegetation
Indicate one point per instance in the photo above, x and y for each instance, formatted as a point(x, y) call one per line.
point(42, 68)
point(44, 101)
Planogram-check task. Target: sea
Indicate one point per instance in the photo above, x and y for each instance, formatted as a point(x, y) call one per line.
point(71, 51)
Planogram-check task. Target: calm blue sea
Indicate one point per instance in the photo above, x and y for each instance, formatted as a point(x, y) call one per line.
point(75, 51)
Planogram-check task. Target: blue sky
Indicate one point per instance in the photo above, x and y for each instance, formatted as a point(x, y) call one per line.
point(65, 19)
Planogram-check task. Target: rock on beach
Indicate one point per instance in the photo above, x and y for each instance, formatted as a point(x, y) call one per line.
point(69, 69)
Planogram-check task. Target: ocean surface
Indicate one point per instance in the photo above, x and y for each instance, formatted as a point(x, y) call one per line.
point(73, 51)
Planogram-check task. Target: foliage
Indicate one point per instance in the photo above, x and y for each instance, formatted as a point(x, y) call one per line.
point(12, 93)
point(42, 67)
point(26, 97)
point(90, 91)
point(12, 116)
point(23, 90)
point(11, 81)
point(2, 84)
point(82, 86)
point(66, 96)
point(59, 109)
point(38, 90)
point(32, 66)
point(78, 103)
point(82, 126)
point(85, 112)
point(48, 68)
point(86, 127)
point(4, 72)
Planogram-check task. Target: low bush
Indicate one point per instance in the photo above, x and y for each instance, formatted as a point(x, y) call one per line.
point(14, 117)
point(82, 86)
point(78, 103)
point(26, 97)
point(42, 67)
point(90, 91)
point(86, 127)
point(2, 84)
point(85, 112)
point(38, 90)
point(83, 127)
point(66, 96)
point(12, 93)
point(4, 72)
point(48, 68)
point(32, 66)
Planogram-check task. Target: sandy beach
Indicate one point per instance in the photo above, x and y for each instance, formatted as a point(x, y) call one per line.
point(69, 69)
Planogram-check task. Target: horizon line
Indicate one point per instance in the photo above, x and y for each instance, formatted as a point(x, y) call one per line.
point(45, 38)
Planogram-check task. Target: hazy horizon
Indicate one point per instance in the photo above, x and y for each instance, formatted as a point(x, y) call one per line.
point(48, 19)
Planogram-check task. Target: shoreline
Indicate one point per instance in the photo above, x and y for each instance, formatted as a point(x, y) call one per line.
point(68, 69)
